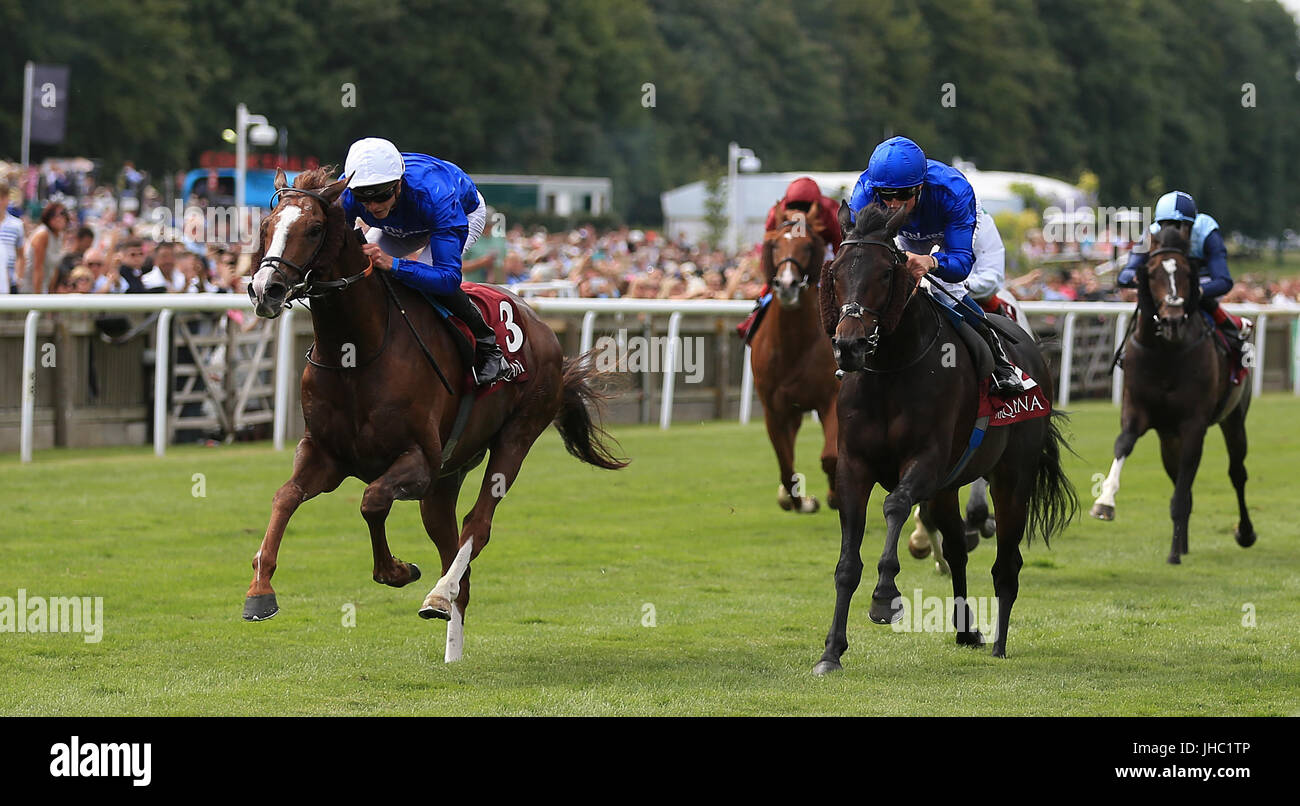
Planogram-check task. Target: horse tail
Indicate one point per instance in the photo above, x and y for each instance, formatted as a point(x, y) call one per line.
point(583, 437)
point(1053, 502)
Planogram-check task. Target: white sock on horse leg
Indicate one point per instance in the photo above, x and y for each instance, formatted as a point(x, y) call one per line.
point(455, 635)
point(449, 586)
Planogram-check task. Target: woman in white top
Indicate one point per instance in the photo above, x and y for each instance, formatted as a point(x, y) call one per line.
point(44, 250)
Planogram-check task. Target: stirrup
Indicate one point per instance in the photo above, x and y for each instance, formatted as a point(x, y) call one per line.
point(1015, 386)
point(494, 368)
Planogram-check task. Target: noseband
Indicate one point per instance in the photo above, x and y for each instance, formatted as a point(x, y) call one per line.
point(855, 310)
point(309, 286)
point(803, 275)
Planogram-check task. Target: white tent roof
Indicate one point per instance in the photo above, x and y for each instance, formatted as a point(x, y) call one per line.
point(683, 207)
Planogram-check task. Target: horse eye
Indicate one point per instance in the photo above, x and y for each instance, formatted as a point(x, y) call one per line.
point(315, 230)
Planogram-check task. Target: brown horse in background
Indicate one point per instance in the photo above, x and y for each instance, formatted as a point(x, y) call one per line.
point(794, 368)
point(1177, 381)
point(386, 417)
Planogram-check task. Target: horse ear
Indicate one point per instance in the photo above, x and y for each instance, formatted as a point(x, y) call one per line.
point(765, 260)
point(845, 216)
point(896, 220)
point(333, 191)
point(281, 181)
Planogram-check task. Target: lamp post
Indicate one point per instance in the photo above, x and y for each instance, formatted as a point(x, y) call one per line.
point(738, 159)
point(261, 134)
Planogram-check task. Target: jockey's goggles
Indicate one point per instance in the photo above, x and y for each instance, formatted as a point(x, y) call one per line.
point(889, 194)
point(376, 193)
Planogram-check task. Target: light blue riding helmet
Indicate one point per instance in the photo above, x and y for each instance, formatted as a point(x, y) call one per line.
point(1176, 206)
point(897, 163)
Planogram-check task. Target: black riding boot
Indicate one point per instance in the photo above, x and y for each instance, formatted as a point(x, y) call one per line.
point(489, 362)
point(1006, 378)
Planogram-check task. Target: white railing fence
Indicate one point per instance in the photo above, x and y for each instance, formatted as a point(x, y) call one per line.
point(589, 309)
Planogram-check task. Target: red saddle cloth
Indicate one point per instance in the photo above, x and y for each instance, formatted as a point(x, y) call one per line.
point(502, 314)
point(1007, 410)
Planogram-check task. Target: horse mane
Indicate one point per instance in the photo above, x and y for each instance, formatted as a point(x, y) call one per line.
point(872, 220)
point(335, 227)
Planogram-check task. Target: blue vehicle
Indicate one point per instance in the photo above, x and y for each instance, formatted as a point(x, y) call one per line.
point(260, 185)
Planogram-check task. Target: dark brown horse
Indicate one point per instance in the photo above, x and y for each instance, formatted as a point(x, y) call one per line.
point(907, 408)
point(794, 369)
point(385, 417)
point(1178, 382)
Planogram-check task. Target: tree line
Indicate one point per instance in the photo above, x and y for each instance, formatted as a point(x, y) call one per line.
point(1146, 94)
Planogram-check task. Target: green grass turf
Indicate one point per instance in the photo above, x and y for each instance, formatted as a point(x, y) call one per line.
point(742, 591)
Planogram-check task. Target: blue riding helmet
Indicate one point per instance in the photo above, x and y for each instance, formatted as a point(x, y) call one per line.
point(1176, 206)
point(897, 163)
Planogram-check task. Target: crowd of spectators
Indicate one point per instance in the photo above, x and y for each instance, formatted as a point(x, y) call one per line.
point(79, 235)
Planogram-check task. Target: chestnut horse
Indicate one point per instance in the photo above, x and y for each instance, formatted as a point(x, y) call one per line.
point(1179, 383)
point(385, 417)
point(794, 369)
point(906, 415)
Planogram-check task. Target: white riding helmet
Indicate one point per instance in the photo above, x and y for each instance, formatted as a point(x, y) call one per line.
point(373, 161)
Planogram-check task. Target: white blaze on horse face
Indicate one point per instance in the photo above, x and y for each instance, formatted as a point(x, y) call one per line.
point(1171, 267)
point(279, 238)
point(1111, 485)
point(787, 278)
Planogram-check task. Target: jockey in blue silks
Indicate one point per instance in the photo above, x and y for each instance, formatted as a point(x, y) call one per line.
point(417, 203)
point(1208, 256)
point(939, 236)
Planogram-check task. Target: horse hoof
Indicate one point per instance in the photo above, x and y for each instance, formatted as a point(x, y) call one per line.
point(412, 574)
point(918, 552)
point(826, 667)
point(989, 528)
point(1244, 539)
point(1103, 512)
point(260, 607)
point(1174, 559)
point(970, 638)
point(886, 612)
point(436, 607)
point(999, 651)
point(809, 505)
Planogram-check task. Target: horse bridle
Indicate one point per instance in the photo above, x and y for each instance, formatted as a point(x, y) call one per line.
point(805, 277)
point(855, 310)
point(309, 286)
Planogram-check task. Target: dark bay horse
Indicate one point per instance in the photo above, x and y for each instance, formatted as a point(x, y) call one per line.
point(794, 369)
point(387, 418)
point(1178, 382)
point(906, 415)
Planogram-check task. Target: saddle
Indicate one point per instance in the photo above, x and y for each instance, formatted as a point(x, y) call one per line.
point(502, 315)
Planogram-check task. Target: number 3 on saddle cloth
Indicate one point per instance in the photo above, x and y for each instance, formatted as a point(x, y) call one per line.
point(502, 315)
